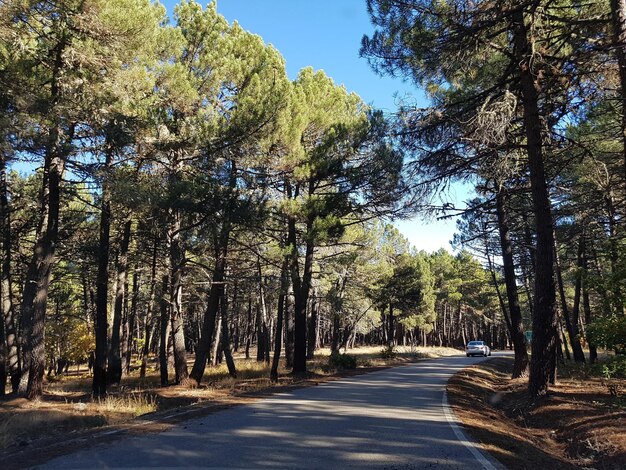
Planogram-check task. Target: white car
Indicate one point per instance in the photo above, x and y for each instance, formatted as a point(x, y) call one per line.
point(477, 348)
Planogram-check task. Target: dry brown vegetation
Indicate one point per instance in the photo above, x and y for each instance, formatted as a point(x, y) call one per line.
point(580, 424)
point(67, 409)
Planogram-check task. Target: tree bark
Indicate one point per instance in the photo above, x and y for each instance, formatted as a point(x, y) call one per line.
point(261, 319)
point(214, 357)
point(132, 320)
point(618, 17)
point(228, 354)
point(99, 384)
point(282, 294)
point(177, 264)
point(210, 315)
point(3, 359)
point(249, 328)
point(114, 369)
point(289, 327)
point(8, 333)
point(593, 352)
point(572, 329)
point(516, 329)
point(35, 294)
point(165, 331)
point(148, 316)
point(544, 318)
point(312, 328)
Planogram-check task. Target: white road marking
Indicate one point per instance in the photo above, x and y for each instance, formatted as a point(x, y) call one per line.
point(453, 422)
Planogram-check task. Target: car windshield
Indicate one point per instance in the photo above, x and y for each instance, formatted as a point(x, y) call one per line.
point(475, 343)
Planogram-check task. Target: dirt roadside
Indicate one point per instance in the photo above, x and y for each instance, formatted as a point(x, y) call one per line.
point(579, 425)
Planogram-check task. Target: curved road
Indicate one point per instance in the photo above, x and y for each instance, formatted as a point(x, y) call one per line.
point(393, 419)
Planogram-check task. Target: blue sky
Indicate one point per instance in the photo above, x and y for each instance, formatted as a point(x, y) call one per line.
point(326, 34)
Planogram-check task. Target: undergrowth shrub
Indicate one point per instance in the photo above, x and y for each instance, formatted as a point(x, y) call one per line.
point(342, 361)
point(613, 368)
point(388, 352)
point(609, 370)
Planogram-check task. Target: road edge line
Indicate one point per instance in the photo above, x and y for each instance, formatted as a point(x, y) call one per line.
point(453, 421)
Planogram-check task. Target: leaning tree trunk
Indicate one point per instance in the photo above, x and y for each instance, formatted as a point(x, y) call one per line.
point(114, 367)
point(217, 290)
point(228, 353)
point(516, 331)
point(544, 319)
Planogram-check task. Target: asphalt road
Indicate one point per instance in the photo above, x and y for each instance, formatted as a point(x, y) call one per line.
point(393, 419)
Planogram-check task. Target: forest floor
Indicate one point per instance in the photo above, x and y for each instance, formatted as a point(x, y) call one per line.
point(67, 414)
point(580, 424)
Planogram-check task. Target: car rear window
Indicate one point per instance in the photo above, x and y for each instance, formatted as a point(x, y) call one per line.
point(475, 343)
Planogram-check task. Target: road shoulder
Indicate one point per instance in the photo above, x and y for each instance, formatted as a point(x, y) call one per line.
point(557, 432)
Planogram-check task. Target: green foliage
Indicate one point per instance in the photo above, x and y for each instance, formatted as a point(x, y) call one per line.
point(342, 361)
point(613, 368)
point(609, 331)
point(409, 290)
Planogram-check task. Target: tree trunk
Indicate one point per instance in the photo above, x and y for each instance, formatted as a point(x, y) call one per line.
point(516, 329)
point(618, 16)
point(391, 325)
point(37, 282)
point(99, 385)
point(577, 295)
point(261, 319)
point(544, 318)
point(8, 334)
point(301, 285)
point(312, 327)
point(249, 328)
point(132, 320)
point(593, 352)
point(114, 370)
point(618, 304)
point(165, 331)
point(210, 314)
point(216, 343)
point(177, 265)
point(148, 316)
point(289, 326)
point(3, 359)
point(282, 294)
point(228, 354)
point(572, 330)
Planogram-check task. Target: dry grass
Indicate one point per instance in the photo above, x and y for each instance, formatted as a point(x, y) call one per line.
point(67, 405)
point(578, 425)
